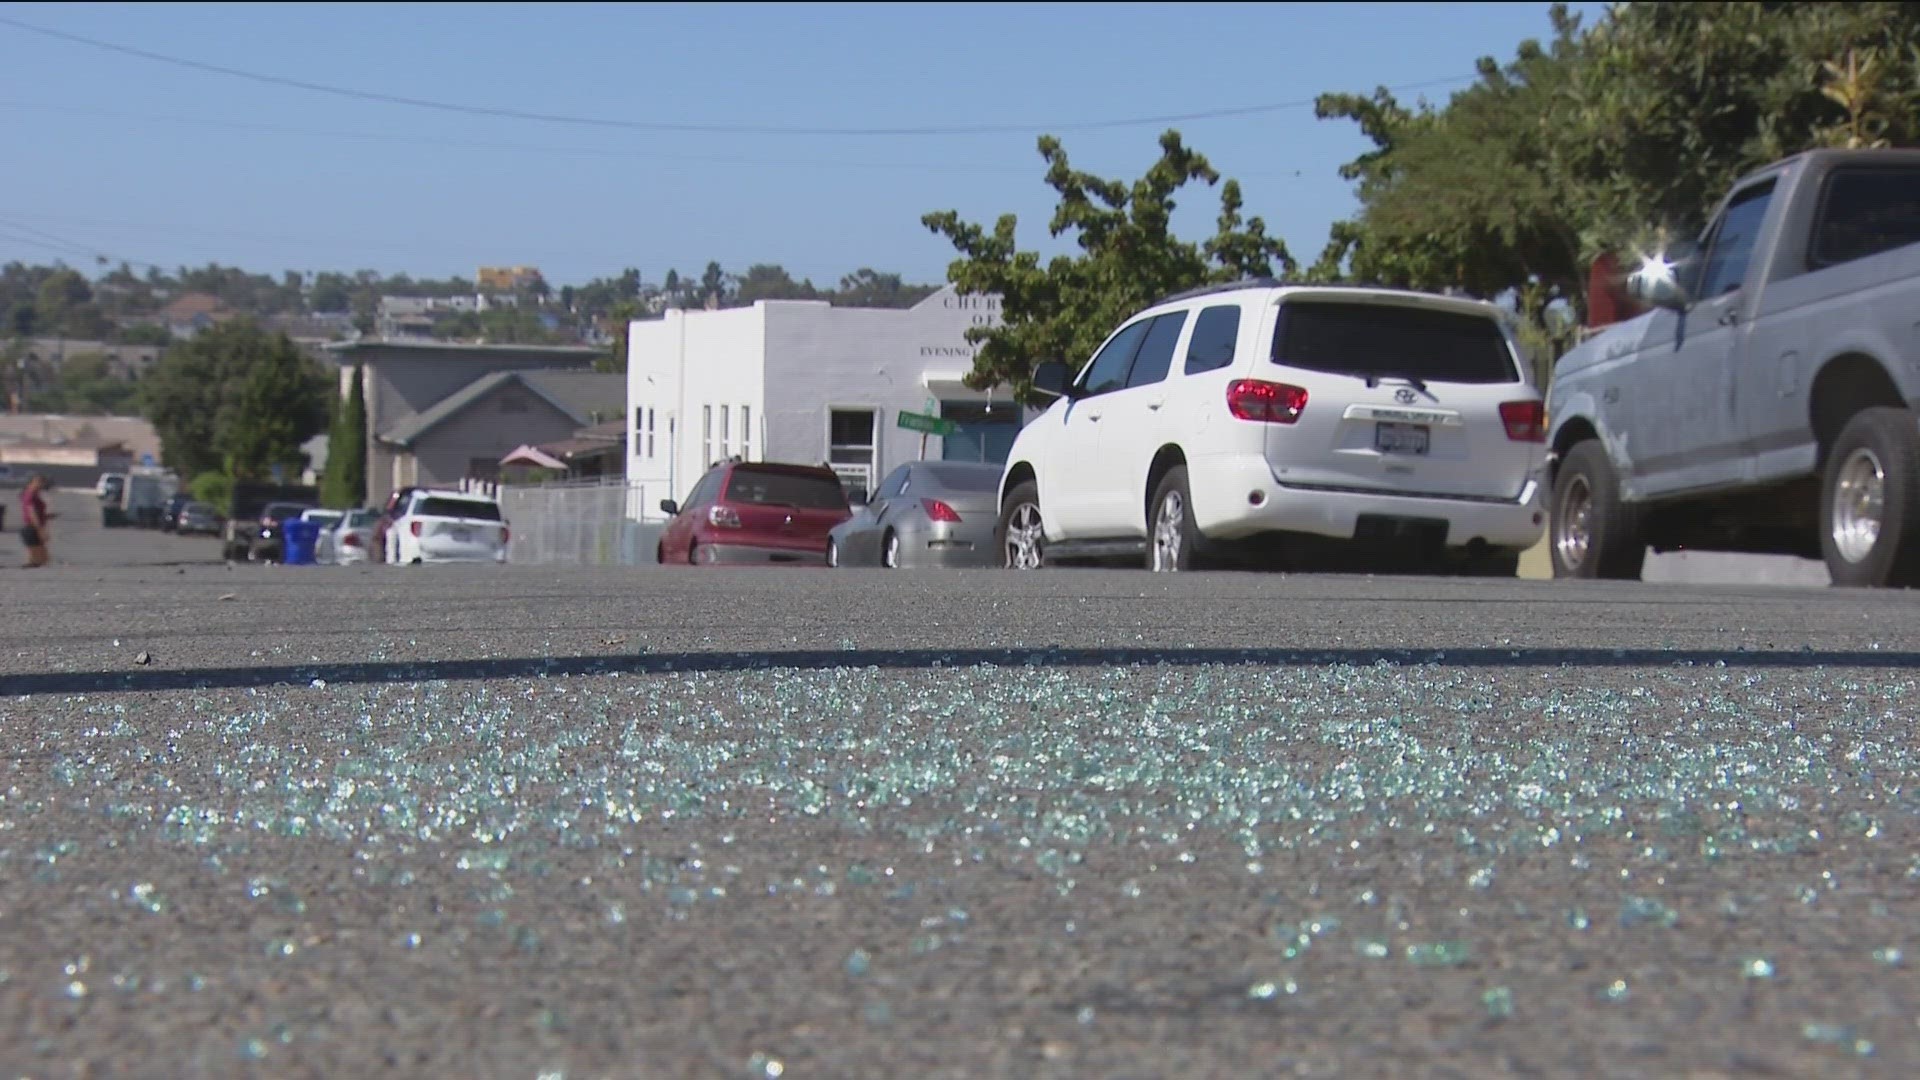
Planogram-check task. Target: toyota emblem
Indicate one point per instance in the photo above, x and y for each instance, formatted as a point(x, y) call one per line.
point(1404, 395)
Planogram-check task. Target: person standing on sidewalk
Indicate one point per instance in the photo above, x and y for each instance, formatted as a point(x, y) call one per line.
point(35, 515)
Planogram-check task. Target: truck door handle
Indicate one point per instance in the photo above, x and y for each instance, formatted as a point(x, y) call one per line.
point(1612, 394)
point(1094, 416)
point(1728, 318)
point(1155, 405)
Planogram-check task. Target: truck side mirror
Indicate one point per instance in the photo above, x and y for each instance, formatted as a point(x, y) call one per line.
point(669, 507)
point(1659, 280)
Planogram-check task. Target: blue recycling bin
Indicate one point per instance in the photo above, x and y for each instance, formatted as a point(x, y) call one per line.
point(298, 539)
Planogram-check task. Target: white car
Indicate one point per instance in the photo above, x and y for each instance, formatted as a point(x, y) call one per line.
point(1232, 415)
point(447, 526)
point(349, 540)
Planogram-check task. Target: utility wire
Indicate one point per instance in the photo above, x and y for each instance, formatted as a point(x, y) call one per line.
point(499, 112)
point(590, 151)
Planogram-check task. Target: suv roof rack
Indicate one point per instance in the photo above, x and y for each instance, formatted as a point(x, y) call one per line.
point(1224, 287)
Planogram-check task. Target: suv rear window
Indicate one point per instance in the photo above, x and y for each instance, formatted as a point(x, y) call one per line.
point(477, 509)
point(1386, 339)
point(800, 490)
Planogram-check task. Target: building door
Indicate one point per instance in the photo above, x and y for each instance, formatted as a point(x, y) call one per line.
point(852, 439)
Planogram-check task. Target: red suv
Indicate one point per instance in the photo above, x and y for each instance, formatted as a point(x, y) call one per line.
point(755, 512)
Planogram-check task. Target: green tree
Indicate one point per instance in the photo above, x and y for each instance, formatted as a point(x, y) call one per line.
point(1608, 137)
point(870, 288)
point(345, 483)
point(1128, 259)
point(235, 399)
point(764, 281)
point(86, 385)
point(613, 361)
point(213, 488)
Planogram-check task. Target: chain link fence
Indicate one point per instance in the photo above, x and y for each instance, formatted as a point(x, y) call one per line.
point(584, 523)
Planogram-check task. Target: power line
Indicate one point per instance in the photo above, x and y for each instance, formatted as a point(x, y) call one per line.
point(503, 113)
point(590, 151)
point(49, 240)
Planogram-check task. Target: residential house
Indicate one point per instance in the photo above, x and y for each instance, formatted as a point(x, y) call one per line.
point(193, 312)
point(403, 378)
point(594, 452)
point(43, 358)
point(466, 435)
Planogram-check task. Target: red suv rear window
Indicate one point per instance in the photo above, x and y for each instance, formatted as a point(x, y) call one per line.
point(801, 490)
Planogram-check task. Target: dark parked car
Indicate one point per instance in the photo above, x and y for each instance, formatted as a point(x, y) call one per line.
point(198, 518)
point(170, 513)
point(267, 543)
point(755, 513)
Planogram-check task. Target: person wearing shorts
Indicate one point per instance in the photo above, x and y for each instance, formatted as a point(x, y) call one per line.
point(34, 516)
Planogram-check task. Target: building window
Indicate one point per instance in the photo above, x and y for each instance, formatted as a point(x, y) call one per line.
point(726, 438)
point(850, 447)
point(649, 432)
point(706, 436)
point(746, 434)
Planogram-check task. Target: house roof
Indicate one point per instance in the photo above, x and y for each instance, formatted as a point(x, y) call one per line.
point(192, 304)
point(581, 353)
point(577, 393)
point(533, 455)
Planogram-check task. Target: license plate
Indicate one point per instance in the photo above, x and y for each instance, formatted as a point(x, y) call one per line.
point(1401, 438)
point(463, 535)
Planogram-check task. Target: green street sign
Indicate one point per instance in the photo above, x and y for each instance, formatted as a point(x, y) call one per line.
point(926, 425)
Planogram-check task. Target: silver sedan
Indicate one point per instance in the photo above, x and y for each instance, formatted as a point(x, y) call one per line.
point(925, 513)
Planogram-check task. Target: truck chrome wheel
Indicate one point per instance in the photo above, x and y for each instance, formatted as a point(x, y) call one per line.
point(1573, 523)
point(1859, 505)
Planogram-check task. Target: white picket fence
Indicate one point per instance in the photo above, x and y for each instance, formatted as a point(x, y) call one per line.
point(579, 523)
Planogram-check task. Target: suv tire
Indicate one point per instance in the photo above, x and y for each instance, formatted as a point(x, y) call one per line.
point(1591, 533)
point(1020, 515)
point(1870, 501)
point(1173, 541)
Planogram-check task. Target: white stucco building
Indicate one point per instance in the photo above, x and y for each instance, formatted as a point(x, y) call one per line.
point(807, 382)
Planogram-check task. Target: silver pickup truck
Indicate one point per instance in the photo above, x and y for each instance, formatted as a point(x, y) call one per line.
point(1766, 401)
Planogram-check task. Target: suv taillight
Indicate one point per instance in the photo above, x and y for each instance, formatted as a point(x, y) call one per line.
point(1526, 421)
point(415, 527)
point(504, 534)
point(940, 511)
point(723, 517)
point(1266, 402)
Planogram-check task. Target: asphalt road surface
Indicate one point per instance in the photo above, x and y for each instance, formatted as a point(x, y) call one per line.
point(530, 822)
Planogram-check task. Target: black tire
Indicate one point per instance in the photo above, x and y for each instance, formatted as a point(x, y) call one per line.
point(833, 554)
point(1615, 547)
point(1180, 548)
point(891, 538)
point(1023, 497)
point(1884, 441)
point(693, 554)
point(660, 554)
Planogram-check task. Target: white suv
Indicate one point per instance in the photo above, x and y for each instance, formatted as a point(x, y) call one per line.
point(447, 526)
point(1258, 410)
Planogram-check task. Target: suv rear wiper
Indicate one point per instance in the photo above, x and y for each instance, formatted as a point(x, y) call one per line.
point(1374, 379)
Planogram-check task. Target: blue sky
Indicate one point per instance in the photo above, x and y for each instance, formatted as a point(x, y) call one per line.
point(155, 162)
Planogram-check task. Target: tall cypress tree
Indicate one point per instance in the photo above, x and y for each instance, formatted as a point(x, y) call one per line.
point(345, 483)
